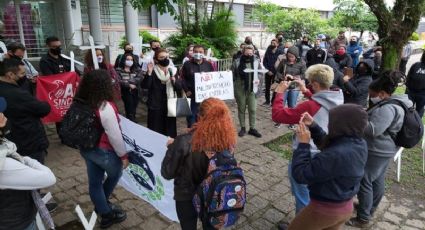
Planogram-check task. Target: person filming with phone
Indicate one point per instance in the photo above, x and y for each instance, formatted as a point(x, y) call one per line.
point(356, 85)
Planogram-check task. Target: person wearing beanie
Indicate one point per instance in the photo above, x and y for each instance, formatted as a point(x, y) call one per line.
point(187, 158)
point(321, 78)
point(334, 175)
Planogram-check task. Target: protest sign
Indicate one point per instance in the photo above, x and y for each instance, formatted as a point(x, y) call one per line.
point(214, 84)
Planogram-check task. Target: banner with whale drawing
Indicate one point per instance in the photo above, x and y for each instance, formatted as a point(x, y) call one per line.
point(143, 175)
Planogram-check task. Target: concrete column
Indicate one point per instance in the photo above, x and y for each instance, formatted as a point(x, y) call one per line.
point(131, 20)
point(94, 21)
point(68, 24)
point(78, 23)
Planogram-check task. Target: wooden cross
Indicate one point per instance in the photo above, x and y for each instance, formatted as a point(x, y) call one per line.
point(138, 48)
point(38, 220)
point(73, 61)
point(88, 225)
point(93, 48)
point(255, 80)
point(209, 57)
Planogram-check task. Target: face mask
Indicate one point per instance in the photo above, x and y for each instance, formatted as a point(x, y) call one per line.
point(129, 63)
point(305, 42)
point(99, 59)
point(155, 49)
point(248, 42)
point(128, 51)
point(375, 100)
point(353, 42)
point(198, 56)
point(5, 130)
point(280, 39)
point(362, 70)
point(285, 50)
point(247, 58)
point(16, 57)
point(340, 52)
point(56, 51)
point(273, 46)
point(21, 81)
point(164, 62)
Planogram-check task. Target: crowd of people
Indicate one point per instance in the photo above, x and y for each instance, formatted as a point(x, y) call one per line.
point(344, 124)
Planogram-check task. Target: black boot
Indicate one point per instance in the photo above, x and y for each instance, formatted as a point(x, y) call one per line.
point(242, 132)
point(113, 217)
point(254, 133)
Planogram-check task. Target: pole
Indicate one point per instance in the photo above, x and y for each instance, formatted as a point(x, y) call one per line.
point(68, 23)
point(94, 21)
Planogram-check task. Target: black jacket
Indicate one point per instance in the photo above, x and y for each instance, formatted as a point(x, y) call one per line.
point(17, 209)
point(343, 61)
point(120, 61)
point(188, 74)
point(24, 112)
point(416, 78)
point(270, 58)
point(50, 65)
point(157, 97)
point(356, 90)
point(188, 169)
point(315, 56)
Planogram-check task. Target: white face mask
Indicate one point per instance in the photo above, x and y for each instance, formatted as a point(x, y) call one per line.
point(375, 100)
point(99, 59)
point(129, 63)
point(197, 56)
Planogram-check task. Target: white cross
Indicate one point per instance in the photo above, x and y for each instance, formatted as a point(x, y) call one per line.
point(209, 57)
point(255, 80)
point(138, 48)
point(3, 47)
point(73, 61)
point(38, 219)
point(88, 225)
point(93, 48)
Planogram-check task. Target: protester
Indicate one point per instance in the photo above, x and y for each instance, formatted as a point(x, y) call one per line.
point(120, 60)
point(244, 90)
point(110, 156)
point(280, 40)
point(160, 80)
point(18, 177)
point(197, 64)
point(334, 175)
point(385, 121)
point(282, 57)
point(338, 75)
point(341, 40)
point(52, 62)
point(248, 41)
point(304, 47)
point(316, 55)
point(129, 79)
point(103, 64)
point(354, 50)
point(269, 60)
point(321, 78)
point(291, 68)
point(415, 85)
point(17, 50)
point(187, 157)
point(188, 53)
point(405, 56)
point(239, 53)
point(342, 58)
point(356, 89)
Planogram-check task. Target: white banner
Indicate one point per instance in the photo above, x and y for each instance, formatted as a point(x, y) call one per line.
point(143, 176)
point(214, 84)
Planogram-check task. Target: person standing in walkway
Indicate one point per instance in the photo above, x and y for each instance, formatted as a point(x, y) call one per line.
point(405, 56)
point(120, 60)
point(269, 60)
point(343, 59)
point(356, 89)
point(334, 175)
point(197, 64)
point(321, 78)
point(341, 40)
point(187, 158)
point(110, 155)
point(385, 121)
point(160, 81)
point(304, 47)
point(354, 50)
point(244, 90)
point(316, 55)
point(415, 85)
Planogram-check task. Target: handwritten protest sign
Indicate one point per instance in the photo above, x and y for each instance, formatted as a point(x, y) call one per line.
point(214, 84)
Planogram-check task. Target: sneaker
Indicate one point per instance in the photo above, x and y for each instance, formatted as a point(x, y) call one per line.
point(107, 220)
point(52, 206)
point(266, 104)
point(242, 132)
point(358, 223)
point(277, 125)
point(254, 133)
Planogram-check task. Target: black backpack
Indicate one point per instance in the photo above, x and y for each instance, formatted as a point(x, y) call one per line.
point(412, 130)
point(80, 128)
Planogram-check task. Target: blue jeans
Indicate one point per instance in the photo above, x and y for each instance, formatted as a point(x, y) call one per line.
point(192, 118)
point(300, 191)
point(290, 97)
point(32, 226)
point(98, 162)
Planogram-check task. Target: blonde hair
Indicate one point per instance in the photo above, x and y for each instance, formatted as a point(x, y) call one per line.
point(322, 74)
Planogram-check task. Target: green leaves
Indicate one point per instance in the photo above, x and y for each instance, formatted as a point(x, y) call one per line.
point(163, 6)
point(354, 14)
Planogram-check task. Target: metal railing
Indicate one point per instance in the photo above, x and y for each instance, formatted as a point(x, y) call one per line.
point(224, 64)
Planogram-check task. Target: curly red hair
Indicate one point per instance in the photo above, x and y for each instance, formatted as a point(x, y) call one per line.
point(214, 130)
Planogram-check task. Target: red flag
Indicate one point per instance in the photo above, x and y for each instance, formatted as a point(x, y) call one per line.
point(58, 90)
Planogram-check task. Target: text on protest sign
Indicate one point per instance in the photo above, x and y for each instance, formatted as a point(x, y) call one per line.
point(214, 84)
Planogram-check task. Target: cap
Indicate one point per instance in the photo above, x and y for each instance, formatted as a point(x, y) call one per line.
point(3, 104)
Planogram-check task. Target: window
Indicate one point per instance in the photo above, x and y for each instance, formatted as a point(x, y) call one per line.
point(248, 20)
point(111, 12)
point(145, 17)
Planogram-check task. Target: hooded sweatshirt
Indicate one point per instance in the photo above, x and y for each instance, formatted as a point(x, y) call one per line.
point(356, 90)
point(317, 106)
point(354, 50)
point(385, 120)
point(334, 175)
point(296, 69)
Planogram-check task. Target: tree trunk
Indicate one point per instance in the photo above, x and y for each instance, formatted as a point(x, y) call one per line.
point(197, 27)
point(390, 56)
point(213, 9)
point(230, 10)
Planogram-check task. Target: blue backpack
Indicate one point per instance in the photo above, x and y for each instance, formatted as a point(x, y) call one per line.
point(221, 196)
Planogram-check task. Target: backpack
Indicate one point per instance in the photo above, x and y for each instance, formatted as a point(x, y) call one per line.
point(221, 196)
point(80, 129)
point(412, 130)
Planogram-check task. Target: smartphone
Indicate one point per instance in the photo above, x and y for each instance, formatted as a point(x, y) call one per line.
point(348, 72)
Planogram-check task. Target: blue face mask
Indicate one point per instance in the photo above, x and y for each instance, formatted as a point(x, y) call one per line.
point(323, 45)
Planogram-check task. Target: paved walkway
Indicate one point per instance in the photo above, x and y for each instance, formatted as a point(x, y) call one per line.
point(269, 197)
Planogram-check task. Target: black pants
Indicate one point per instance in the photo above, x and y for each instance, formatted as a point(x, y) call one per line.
point(268, 84)
point(402, 66)
point(419, 101)
point(159, 122)
point(131, 100)
point(188, 217)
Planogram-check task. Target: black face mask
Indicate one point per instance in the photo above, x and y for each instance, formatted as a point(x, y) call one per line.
point(128, 51)
point(247, 59)
point(155, 49)
point(5, 130)
point(56, 51)
point(305, 42)
point(164, 62)
point(362, 70)
point(280, 39)
point(353, 42)
point(21, 81)
point(16, 57)
point(248, 42)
